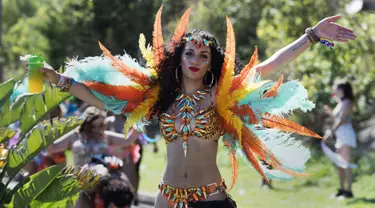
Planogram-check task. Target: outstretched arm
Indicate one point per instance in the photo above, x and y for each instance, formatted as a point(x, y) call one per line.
point(326, 29)
point(119, 139)
point(78, 90)
point(63, 143)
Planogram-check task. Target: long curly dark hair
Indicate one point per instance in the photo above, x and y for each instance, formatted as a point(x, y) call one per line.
point(169, 87)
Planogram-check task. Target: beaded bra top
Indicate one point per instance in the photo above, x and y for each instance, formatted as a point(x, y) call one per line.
point(202, 123)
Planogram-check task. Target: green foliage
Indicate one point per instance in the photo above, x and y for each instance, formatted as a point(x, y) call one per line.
point(6, 134)
point(32, 107)
point(66, 202)
point(57, 185)
point(38, 182)
point(36, 140)
point(6, 90)
point(67, 184)
point(29, 109)
point(320, 68)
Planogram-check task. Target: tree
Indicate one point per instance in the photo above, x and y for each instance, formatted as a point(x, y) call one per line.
point(319, 68)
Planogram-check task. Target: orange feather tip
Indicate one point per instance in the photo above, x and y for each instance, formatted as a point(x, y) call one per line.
point(246, 73)
point(251, 158)
point(181, 26)
point(132, 73)
point(234, 164)
point(128, 93)
point(274, 89)
point(158, 42)
point(286, 125)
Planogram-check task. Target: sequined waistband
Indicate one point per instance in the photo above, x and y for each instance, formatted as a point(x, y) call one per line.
point(180, 197)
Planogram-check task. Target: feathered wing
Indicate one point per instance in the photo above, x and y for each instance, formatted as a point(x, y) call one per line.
point(120, 82)
point(253, 115)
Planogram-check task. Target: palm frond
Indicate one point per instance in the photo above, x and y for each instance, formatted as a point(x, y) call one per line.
point(30, 108)
point(36, 140)
point(58, 185)
point(6, 90)
point(37, 184)
point(67, 185)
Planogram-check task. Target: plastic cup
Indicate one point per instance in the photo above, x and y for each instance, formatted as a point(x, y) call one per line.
point(35, 76)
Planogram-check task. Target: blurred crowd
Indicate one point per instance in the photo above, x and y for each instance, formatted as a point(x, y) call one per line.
point(98, 144)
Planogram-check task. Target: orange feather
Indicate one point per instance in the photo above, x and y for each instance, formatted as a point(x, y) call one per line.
point(234, 164)
point(274, 89)
point(130, 107)
point(230, 50)
point(250, 156)
point(158, 42)
point(131, 73)
point(128, 93)
point(246, 73)
point(245, 110)
point(180, 29)
point(283, 124)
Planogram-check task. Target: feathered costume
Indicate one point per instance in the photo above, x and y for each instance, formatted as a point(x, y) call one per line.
point(252, 110)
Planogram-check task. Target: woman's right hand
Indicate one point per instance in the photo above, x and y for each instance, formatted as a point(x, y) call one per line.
point(50, 75)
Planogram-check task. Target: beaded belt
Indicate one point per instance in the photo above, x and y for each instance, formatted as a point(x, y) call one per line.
point(180, 197)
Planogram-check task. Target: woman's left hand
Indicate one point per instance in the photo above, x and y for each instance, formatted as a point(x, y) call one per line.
point(329, 29)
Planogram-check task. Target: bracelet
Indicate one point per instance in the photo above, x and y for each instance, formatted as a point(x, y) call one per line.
point(65, 83)
point(311, 36)
point(315, 39)
point(61, 81)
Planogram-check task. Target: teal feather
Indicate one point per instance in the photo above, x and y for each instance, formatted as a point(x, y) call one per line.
point(100, 69)
point(111, 103)
point(20, 88)
point(292, 95)
point(289, 151)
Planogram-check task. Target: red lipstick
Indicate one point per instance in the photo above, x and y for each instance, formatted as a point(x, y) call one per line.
point(194, 69)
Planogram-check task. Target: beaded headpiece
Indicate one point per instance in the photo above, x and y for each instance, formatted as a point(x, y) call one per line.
point(198, 42)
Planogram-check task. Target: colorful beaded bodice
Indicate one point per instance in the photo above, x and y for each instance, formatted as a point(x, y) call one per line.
point(194, 121)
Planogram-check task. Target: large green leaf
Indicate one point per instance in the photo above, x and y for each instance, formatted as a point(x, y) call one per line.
point(36, 140)
point(66, 202)
point(39, 105)
point(6, 90)
point(11, 113)
point(54, 187)
point(6, 134)
point(30, 108)
point(11, 190)
point(37, 184)
point(65, 186)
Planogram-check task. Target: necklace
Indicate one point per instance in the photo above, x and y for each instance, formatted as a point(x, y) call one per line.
point(186, 104)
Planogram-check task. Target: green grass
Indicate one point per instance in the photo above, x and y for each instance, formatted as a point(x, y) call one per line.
point(313, 191)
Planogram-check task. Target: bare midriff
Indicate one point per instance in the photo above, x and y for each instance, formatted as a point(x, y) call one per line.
point(197, 169)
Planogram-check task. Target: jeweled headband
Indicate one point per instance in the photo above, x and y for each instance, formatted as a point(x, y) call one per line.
point(199, 42)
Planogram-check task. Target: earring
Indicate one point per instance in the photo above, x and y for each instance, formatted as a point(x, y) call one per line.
point(176, 74)
point(212, 79)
